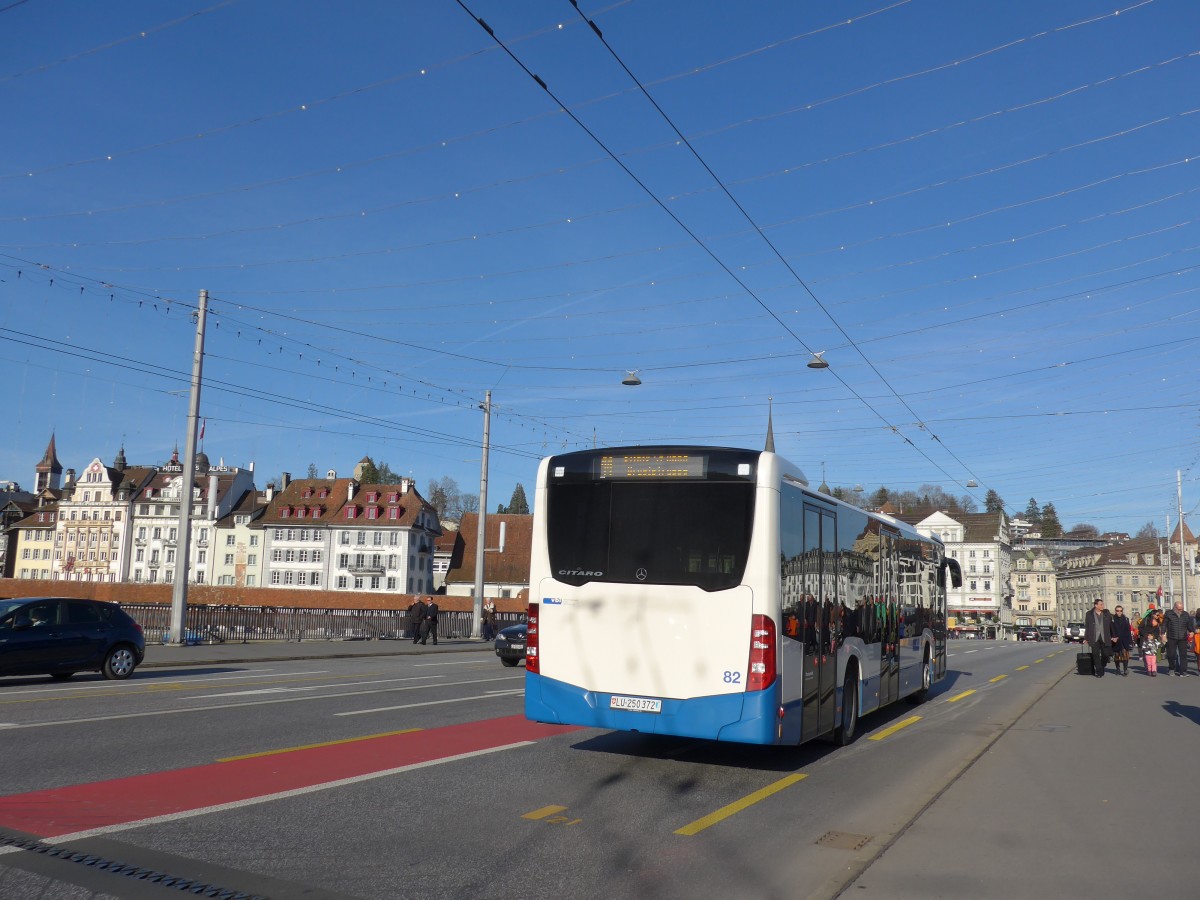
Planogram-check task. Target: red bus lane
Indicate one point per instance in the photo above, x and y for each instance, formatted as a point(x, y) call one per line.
point(88, 809)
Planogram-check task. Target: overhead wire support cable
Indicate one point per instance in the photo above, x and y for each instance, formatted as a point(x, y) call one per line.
point(799, 280)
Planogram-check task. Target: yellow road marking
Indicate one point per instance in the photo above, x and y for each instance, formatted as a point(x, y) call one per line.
point(997, 678)
point(1036, 661)
point(365, 737)
point(958, 697)
point(543, 812)
point(894, 728)
point(738, 805)
point(1022, 668)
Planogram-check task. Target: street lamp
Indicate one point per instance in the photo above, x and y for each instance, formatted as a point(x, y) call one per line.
point(631, 378)
point(817, 362)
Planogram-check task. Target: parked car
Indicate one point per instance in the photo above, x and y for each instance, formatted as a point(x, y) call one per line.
point(510, 644)
point(1048, 633)
point(1028, 633)
point(57, 636)
point(1075, 633)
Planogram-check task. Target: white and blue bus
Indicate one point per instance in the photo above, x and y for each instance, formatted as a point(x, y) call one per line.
point(711, 593)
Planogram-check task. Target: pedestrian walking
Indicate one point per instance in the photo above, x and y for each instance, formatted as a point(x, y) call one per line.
point(1180, 626)
point(1098, 634)
point(1122, 640)
point(431, 621)
point(416, 619)
point(489, 620)
point(1150, 648)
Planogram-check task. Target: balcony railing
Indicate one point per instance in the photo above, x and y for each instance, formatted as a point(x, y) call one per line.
point(366, 569)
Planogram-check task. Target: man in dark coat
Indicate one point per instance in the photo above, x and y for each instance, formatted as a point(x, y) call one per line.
point(1179, 626)
point(1098, 634)
point(416, 619)
point(431, 617)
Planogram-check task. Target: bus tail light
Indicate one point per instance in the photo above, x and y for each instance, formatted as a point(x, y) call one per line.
point(762, 653)
point(531, 640)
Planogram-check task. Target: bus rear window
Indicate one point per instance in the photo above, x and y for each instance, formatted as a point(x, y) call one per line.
point(650, 532)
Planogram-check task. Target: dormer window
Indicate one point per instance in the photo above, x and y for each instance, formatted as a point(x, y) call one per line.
point(372, 512)
point(316, 513)
point(284, 512)
point(323, 493)
point(372, 496)
point(300, 512)
point(350, 512)
point(393, 497)
point(308, 492)
point(393, 512)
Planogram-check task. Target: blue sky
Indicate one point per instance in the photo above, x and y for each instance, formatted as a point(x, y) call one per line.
point(983, 214)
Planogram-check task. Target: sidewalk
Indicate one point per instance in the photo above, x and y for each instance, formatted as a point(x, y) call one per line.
point(159, 655)
point(1086, 795)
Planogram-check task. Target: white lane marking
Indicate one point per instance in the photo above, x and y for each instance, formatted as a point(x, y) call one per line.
point(129, 685)
point(281, 795)
point(490, 695)
point(965, 652)
point(220, 706)
point(466, 662)
point(309, 687)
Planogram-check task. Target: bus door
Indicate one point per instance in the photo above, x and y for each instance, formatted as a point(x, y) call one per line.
point(889, 612)
point(818, 622)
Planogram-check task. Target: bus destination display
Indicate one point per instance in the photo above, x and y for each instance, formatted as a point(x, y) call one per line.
point(652, 465)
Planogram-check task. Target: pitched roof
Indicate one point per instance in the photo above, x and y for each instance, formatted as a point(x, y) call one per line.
point(511, 566)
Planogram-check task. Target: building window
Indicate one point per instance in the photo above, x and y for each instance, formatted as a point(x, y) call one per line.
point(275, 577)
point(375, 582)
point(252, 559)
point(315, 579)
point(251, 581)
point(391, 584)
point(229, 559)
point(341, 582)
point(254, 540)
point(358, 582)
point(230, 540)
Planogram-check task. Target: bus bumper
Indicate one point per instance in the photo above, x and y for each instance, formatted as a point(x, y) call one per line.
point(749, 718)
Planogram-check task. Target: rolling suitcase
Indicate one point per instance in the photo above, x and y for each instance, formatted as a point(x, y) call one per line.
point(1083, 664)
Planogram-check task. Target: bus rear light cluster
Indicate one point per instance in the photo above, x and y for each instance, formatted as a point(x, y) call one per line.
point(762, 669)
point(531, 640)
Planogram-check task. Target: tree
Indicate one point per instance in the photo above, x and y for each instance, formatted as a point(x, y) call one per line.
point(1084, 530)
point(1051, 527)
point(1149, 530)
point(880, 497)
point(449, 501)
point(312, 471)
point(1032, 512)
point(993, 502)
point(518, 505)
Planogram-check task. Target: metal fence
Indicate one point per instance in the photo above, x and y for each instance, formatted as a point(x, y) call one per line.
point(242, 624)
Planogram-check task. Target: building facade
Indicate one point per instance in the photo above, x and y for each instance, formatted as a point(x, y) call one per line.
point(982, 545)
point(1035, 589)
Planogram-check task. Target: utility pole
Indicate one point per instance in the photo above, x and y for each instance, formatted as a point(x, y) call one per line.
point(1182, 568)
point(179, 593)
point(481, 536)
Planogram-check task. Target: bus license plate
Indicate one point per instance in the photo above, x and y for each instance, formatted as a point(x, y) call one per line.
point(635, 704)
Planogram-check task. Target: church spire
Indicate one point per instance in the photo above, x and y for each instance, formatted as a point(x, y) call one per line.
point(770, 447)
point(49, 470)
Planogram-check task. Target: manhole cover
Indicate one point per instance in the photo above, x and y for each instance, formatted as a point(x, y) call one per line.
point(841, 840)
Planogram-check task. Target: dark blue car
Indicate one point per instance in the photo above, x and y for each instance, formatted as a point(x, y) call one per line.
point(58, 636)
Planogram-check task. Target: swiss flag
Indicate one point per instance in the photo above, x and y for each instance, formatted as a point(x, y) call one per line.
point(203, 425)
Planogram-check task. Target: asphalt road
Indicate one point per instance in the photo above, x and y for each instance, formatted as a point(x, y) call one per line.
point(414, 774)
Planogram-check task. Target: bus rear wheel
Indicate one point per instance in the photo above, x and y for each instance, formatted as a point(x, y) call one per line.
point(922, 694)
point(847, 728)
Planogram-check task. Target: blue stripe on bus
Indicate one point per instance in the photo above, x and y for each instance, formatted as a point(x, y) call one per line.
point(748, 718)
